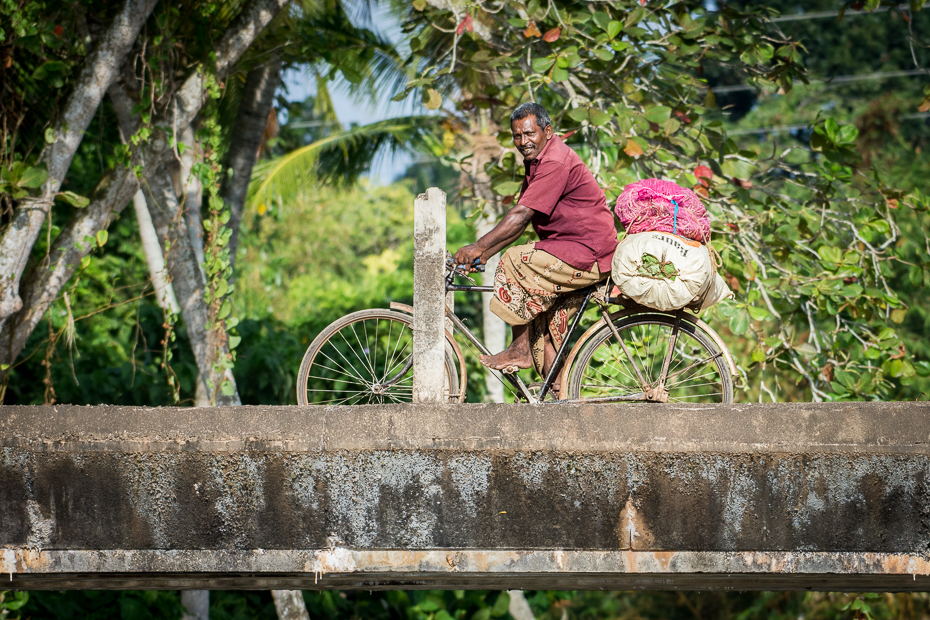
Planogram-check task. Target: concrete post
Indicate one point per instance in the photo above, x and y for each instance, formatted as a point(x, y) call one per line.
point(429, 233)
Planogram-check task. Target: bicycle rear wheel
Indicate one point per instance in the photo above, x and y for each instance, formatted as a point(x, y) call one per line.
point(697, 371)
point(365, 358)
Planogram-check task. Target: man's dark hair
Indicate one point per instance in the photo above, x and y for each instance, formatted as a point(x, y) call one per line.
point(525, 109)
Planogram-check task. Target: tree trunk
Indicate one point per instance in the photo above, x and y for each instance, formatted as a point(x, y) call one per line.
point(257, 100)
point(519, 608)
point(486, 149)
point(164, 292)
point(210, 348)
point(181, 232)
point(191, 191)
point(495, 330)
point(196, 604)
point(100, 69)
point(154, 254)
point(118, 186)
point(290, 605)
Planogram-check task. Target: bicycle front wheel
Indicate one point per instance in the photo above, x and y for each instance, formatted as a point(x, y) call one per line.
point(365, 358)
point(697, 371)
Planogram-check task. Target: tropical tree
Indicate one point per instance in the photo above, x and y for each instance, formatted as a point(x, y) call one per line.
point(227, 100)
point(217, 36)
point(867, 69)
point(807, 235)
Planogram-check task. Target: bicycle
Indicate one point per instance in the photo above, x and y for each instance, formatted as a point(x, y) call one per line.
point(634, 354)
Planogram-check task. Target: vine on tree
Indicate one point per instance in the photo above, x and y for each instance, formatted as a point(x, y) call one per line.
point(216, 249)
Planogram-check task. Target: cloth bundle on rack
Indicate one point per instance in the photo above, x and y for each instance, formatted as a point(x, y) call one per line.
point(666, 272)
point(656, 205)
point(665, 262)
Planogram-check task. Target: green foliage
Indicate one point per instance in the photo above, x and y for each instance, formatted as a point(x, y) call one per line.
point(18, 179)
point(104, 345)
point(325, 254)
point(877, 116)
point(11, 601)
point(487, 605)
point(652, 267)
point(103, 605)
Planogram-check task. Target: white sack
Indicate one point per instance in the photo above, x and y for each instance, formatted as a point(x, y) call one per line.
point(695, 272)
point(718, 291)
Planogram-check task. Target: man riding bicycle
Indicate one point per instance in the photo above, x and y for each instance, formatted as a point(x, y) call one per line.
point(534, 282)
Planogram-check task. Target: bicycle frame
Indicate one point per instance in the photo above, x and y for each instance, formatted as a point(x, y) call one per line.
point(651, 393)
point(515, 380)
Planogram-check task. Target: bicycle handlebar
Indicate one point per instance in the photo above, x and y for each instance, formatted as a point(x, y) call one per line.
point(462, 269)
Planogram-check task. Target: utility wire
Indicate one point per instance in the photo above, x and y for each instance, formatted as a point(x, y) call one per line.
point(784, 128)
point(797, 17)
point(840, 79)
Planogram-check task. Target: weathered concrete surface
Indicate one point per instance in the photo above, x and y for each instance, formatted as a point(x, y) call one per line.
point(429, 297)
point(832, 496)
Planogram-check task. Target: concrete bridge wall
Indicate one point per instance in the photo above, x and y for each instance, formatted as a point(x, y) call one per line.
point(829, 496)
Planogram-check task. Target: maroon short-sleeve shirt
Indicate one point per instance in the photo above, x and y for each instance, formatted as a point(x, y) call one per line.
point(571, 214)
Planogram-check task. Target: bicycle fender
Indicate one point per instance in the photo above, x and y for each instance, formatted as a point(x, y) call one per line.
point(396, 305)
point(720, 344)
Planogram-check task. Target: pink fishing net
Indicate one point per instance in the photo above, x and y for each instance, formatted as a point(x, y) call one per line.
point(649, 205)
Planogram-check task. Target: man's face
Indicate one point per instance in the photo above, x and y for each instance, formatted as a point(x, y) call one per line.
point(529, 138)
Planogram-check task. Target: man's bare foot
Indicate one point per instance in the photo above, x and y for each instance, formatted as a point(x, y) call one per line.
point(514, 357)
point(507, 361)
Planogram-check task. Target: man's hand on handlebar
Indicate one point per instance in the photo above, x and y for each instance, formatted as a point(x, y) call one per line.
point(467, 257)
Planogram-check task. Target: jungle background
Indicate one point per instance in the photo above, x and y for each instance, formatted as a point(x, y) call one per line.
point(816, 116)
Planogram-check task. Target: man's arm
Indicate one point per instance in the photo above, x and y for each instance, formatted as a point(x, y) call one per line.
point(506, 232)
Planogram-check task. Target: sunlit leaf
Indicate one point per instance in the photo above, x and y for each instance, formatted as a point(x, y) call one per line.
point(432, 99)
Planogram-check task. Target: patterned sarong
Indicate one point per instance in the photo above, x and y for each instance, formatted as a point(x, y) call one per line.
point(533, 286)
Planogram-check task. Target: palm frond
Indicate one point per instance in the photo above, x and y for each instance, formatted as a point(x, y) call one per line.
point(323, 107)
point(367, 60)
point(341, 157)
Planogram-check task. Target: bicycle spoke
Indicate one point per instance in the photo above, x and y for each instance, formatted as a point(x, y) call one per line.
point(389, 366)
point(707, 359)
point(353, 373)
point(647, 367)
point(365, 361)
point(667, 349)
point(711, 373)
point(337, 401)
point(350, 364)
point(340, 391)
point(356, 374)
point(680, 399)
point(320, 378)
point(626, 370)
point(613, 379)
point(608, 383)
point(367, 350)
point(360, 360)
point(374, 361)
point(697, 385)
point(389, 360)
